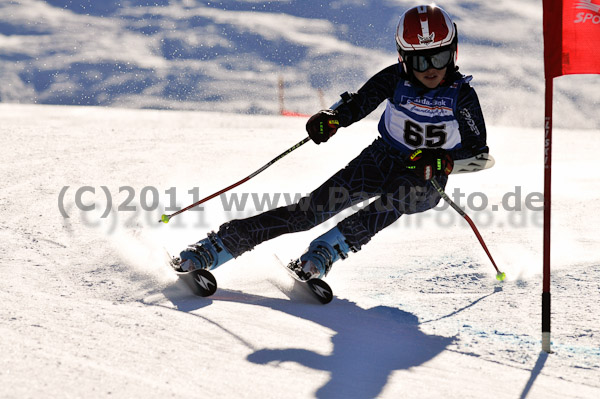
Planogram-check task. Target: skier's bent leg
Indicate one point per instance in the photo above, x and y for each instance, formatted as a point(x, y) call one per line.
point(358, 229)
point(241, 235)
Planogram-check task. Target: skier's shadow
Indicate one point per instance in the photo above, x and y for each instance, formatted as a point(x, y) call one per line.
point(368, 344)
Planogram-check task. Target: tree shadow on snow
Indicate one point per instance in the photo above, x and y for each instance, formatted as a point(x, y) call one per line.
point(368, 344)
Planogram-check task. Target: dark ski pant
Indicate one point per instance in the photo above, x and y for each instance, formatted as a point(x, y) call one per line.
point(378, 171)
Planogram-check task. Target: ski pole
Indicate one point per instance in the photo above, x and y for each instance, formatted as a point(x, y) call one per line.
point(499, 275)
point(165, 218)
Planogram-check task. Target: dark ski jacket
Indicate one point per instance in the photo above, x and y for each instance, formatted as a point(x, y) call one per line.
point(394, 85)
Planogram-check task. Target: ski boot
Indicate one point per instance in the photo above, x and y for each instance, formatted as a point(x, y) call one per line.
point(207, 254)
point(320, 255)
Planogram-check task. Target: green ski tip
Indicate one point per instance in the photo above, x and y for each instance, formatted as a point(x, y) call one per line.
point(500, 276)
point(165, 218)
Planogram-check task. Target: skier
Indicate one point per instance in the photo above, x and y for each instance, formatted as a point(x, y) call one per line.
point(432, 118)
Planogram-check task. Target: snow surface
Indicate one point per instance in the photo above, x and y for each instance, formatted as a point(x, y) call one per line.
point(89, 309)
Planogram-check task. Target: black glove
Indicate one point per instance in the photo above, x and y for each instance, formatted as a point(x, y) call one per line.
point(322, 125)
point(429, 163)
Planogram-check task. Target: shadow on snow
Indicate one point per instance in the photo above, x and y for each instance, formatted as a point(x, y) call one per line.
point(368, 344)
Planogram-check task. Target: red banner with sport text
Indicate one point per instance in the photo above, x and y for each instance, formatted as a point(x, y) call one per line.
point(571, 46)
point(571, 37)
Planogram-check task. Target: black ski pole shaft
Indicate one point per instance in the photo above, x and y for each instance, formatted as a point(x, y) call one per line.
point(499, 275)
point(166, 218)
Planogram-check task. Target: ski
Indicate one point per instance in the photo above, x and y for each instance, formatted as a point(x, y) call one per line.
point(317, 287)
point(201, 282)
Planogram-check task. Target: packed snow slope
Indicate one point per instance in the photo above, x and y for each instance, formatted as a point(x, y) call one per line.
point(228, 55)
point(89, 308)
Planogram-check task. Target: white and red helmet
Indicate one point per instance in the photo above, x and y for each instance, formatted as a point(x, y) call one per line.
point(426, 31)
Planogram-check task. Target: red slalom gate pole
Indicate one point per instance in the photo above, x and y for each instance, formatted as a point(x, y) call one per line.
point(166, 218)
point(546, 344)
point(500, 276)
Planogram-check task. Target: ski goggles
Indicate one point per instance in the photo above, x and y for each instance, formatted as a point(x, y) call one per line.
point(421, 63)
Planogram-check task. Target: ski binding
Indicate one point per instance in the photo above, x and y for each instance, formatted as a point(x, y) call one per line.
point(201, 282)
point(317, 287)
